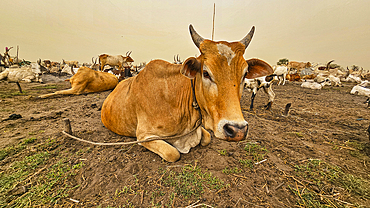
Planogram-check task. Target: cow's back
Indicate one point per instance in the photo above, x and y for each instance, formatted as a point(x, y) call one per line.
point(114, 60)
point(95, 81)
point(124, 122)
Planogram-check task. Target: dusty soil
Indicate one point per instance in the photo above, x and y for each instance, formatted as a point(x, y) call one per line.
point(322, 124)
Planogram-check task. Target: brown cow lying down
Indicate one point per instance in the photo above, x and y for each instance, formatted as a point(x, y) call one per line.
point(87, 80)
point(158, 102)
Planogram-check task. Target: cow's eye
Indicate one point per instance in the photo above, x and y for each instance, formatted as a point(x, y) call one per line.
point(206, 75)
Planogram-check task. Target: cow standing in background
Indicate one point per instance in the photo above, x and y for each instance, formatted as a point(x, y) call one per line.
point(298, 65)
point(113, 61)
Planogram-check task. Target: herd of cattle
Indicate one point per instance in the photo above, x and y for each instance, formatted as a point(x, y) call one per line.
point(182, 104)
point(312, 77)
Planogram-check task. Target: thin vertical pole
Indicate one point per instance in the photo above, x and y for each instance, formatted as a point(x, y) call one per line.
point(214, 14)
point(17, 54)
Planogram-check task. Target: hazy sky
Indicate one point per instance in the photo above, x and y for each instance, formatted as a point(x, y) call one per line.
point(300, 30)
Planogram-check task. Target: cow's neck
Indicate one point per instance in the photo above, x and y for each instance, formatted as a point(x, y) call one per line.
point(195, 102)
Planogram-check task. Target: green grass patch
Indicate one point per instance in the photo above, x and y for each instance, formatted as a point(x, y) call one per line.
point(42, 173)
point(355, 144)
point(191, 181)
point(222, 152)
point(14, 149)
point(320, 174)
point(47, 87)
point(254, 154)
point(6, 109)
point(12, 93)
point(310, 199)
point(229, 171)
point(36, 132)
point(297, 134)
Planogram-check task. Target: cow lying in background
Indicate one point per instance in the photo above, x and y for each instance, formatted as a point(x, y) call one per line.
point(361, 89)
point(335, 81)
point(264, 82)
point(184, 102)
point(117, 73)
point(368, 105)
point(315, 85)
point(69, 70)
point(293, 77)
point(29, 73)
point(87, 80)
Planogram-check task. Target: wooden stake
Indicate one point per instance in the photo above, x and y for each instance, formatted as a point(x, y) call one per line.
point(19, 87)
point(67, 126)
point(287, 109)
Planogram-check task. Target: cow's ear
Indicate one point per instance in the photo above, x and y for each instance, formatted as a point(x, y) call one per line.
point(190, 67)
point(258, 68)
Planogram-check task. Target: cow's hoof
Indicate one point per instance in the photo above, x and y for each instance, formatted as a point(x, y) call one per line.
point(206, 137)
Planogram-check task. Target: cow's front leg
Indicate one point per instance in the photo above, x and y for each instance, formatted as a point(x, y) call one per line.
point(162, 148)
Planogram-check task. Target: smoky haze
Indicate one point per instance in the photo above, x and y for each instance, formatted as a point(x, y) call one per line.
point(317, 31)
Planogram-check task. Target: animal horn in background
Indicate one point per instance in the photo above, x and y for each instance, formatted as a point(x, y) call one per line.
point(328, 64)
point(247, 39)
point(197, 39)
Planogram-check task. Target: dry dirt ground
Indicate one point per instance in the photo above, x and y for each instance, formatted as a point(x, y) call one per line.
point(317, 156)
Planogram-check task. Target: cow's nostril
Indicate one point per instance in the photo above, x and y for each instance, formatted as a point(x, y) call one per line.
point(229, 130)
point(235, 132)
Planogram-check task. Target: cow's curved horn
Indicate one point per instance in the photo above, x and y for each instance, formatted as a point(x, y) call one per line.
point(328, 64)
point(247, 39)
point(197, 39)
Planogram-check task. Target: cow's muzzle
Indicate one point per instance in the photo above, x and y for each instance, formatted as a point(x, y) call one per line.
point(235, 133)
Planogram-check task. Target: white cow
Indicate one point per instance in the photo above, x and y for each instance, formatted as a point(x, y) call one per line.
point(281, 72)
point(29, 73)
point(315, 85)
point(264, 82)
point(361, 89)
point(335, 81)
point(352, 78)
point(69, 70)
